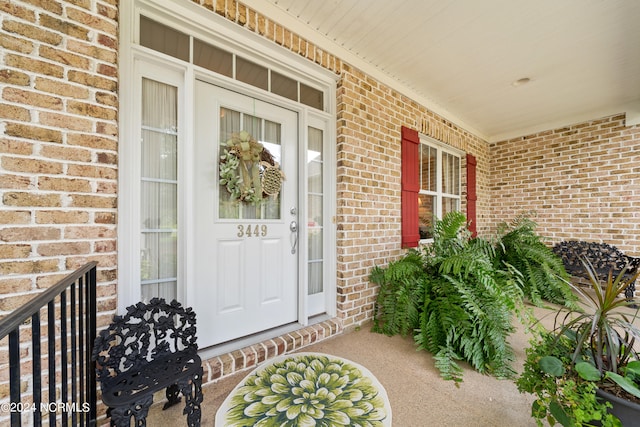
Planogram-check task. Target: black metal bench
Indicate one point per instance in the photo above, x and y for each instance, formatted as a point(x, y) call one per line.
point(152, 347)
point(604, 258)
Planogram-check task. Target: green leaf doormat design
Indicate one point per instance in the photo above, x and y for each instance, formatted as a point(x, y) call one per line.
point(307, 389)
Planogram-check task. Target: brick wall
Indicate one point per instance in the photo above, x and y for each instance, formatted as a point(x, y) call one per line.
point(58, 147)
point(582, 180)
point(58, 143)
point(370, 116)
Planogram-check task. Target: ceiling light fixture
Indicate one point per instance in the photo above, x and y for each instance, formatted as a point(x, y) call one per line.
point(521, 81)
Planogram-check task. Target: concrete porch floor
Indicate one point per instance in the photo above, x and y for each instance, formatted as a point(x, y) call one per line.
point(418, 395)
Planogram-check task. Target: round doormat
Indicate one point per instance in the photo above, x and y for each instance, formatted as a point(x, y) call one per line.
point(306, 389)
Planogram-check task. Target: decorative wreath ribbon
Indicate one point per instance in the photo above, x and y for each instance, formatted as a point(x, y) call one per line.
point(248, 170)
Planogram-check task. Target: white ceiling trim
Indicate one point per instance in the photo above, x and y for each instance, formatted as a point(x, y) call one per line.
point(562, 122)
point(291, 23)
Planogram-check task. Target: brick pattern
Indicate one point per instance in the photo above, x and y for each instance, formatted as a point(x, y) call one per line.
point(251, 356)
point(370, 116)
point(58, 142)
point(58, 152)
point(582, 181)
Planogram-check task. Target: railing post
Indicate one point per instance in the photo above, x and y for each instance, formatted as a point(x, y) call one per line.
point(36, 368)
point(93, 392)
point(14, 375)
point(80, 305)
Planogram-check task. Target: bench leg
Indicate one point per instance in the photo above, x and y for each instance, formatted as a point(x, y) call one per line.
point(191, 389)
point(173, 396)
point(121, 416)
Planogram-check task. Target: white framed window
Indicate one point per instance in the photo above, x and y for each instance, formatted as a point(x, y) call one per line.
point(440, 178)
point(320, 240)
point(151, 238)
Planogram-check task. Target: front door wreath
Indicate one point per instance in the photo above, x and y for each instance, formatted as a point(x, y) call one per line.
point(248, 170)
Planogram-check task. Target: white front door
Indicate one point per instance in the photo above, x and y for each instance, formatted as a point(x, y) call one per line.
point(245, 256)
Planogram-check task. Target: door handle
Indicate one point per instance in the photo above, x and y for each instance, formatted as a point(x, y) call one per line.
point(294, 229)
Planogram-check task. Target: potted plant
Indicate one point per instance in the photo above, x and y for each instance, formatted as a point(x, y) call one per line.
point(588, 365)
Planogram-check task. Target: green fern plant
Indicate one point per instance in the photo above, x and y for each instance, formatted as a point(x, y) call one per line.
point(458, 295)
point(543, 274)
point(468, 303)
point(398, 302)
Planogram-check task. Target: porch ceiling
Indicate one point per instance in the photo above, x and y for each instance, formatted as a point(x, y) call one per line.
point(461, 58)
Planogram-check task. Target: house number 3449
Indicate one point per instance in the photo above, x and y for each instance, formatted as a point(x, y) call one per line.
point(252, 230)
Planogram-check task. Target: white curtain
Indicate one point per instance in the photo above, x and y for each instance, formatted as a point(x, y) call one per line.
point(159, 183)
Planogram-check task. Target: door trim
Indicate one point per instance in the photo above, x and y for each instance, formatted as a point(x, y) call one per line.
point(136, 61)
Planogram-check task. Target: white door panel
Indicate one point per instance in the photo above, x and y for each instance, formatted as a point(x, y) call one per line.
point(245, 272)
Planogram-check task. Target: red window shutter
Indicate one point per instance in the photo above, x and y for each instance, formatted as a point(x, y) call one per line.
point(471, 194)
point(410, 187)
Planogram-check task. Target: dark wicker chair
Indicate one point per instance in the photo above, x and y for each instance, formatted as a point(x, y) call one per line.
point(152, 347)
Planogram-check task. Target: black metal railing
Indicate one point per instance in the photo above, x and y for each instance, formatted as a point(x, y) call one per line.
point(61, 384)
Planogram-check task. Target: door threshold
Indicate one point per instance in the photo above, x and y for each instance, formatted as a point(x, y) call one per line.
point(237, 344)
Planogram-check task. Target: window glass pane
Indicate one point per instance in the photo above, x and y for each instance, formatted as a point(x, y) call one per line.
point(312, 97)
point(450, 174)
point(272, 142)
point(315, 244)
point(251, 73)
point(267, 134)
point(272, 136)
point(166, 290)
point(428, 159)
point(315, 209)
point(253, 125)
point(212, 58)
point(158, 190)
point(315, 278)
point(158, 257)
point(229, 124)
point(314, 171)
point(426, 215)
point(159, 154)
point(314, 160)
point(163, 39)
point(315, 144)
point(159, 106)
point(284, 86)
point(449, 205)
point(159, 202)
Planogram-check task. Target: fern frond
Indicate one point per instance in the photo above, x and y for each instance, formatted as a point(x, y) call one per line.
point(397, 307)
point(542, 270)
point(445, 362)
